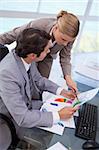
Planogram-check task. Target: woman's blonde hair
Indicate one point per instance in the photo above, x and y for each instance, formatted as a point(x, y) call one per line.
point(68, 23)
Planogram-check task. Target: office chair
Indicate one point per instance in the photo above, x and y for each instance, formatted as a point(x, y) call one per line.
point(3, 51)
point(9, 137)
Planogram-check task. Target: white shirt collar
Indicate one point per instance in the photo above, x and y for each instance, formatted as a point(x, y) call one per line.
point(26, 65)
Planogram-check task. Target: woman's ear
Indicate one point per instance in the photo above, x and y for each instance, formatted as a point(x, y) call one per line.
point(56, 26)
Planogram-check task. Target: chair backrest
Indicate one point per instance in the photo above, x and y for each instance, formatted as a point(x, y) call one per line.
point(3, 51)
point(3, 118)
point(9, 123)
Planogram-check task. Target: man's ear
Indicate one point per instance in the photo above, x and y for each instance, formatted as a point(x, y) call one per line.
point(33, 56)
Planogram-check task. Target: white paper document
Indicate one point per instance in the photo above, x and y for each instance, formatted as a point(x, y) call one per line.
point(57, 129)
point(60, 126)
point(88, 95)
point(84, 97)
point(56, 106)
point(57, 146)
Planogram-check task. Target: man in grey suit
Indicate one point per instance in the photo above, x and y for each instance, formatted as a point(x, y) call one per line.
point(16, 99)
point(64, 31)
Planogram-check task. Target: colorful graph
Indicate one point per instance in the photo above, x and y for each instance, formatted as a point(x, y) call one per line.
point(69, 101)
point(64, 100)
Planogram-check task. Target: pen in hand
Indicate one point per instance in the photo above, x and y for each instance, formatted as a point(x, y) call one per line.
point(76, 95)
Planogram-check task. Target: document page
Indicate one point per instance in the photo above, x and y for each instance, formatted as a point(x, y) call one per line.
point(57, 129)
point(56, 106)
point(88, 95)
point(57, 146)
point(84, 97)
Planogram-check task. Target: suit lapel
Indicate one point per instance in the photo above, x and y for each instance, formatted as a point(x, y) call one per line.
point(24, 74)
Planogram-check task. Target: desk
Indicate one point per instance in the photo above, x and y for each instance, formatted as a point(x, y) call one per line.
point(46, 139)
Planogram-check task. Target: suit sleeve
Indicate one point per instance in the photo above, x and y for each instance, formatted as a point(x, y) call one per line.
point(9, 37)
point(42, 83)
point(65, 59)
point(11, 94)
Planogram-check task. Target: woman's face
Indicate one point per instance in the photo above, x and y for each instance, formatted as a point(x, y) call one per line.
point(60, 38)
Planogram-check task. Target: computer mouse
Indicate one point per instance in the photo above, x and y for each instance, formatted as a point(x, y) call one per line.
point(90, 144)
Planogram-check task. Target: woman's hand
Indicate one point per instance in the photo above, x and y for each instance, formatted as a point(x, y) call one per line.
point(71, 84)
point(68, 94)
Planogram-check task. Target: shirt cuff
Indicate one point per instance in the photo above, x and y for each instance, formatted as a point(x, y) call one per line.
point(59, 90)
point(56, 117)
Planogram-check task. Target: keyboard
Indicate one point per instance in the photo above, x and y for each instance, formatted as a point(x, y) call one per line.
point(86, 124)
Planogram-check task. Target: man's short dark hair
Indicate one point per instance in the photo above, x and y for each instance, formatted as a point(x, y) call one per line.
point(31, 41)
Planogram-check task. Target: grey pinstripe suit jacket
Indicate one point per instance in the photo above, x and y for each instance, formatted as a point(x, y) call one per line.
point(15, 93)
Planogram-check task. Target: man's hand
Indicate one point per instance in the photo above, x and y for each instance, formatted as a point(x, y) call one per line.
point(68, 94)
point(67, 112)
point(71, 84)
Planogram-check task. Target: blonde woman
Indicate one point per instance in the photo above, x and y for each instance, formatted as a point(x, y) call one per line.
point(63, 29)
